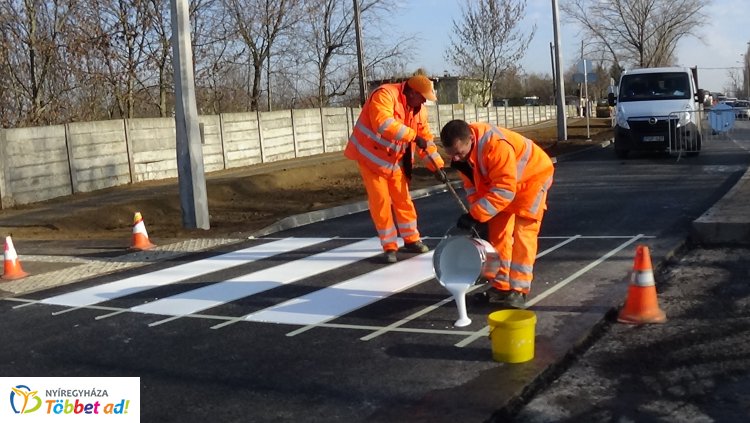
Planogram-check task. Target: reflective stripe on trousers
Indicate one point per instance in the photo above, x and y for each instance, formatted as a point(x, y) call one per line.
point(386, 197)
point(515, 240)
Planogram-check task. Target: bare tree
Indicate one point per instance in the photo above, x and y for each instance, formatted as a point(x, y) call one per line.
point(119, 38)
point(640, 33)
point(489, 40)
point(326, 41)
point(34, 59)
point(258, 24)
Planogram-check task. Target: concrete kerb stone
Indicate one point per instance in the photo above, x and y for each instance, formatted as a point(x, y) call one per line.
point(727, 221)
point(568, 156)
point(339, 211)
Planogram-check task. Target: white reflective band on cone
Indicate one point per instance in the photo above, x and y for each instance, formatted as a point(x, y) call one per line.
point(10, 251)
point(642, 278)
point(140, 228)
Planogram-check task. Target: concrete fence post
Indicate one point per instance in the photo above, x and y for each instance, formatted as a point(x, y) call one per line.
point(129, 150)
point(5, 199)
point(260, 137)
point(527, 116)
point(71, 168)
point(221, 140)
point(437, 112)
point(323, 129)
point(294, 134)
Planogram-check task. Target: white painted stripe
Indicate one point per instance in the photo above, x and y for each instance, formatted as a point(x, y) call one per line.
point(257, 282)
point(485, 330)
point(328, 303)
point(135, 284)
point(450, 299)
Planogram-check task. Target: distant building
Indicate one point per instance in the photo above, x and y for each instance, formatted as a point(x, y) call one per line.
point(460, 90)
point(449, 89)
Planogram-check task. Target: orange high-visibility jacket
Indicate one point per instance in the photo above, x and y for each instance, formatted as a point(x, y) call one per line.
point(385, 127)
point(510, 173)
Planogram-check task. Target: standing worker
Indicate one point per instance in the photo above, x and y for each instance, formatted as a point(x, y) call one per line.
point(506, 177)
point(392, 123)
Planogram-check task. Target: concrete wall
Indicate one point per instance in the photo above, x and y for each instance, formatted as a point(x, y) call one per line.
point(41, 163)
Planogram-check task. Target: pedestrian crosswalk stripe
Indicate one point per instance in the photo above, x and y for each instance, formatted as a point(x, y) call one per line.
point(326, 304)
point(254, 283)
point(135, 284)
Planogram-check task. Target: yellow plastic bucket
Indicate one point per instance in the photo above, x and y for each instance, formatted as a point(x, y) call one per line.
point(512, 335)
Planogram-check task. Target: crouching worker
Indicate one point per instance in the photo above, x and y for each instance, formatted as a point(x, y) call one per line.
point(392, 125)
point(506, 177)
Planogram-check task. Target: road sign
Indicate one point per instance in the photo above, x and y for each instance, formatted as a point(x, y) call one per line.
point(578, 77)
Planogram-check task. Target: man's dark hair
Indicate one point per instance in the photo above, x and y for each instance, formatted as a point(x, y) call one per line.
point(454, 130)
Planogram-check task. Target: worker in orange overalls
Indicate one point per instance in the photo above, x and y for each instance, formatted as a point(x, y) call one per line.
point(392, 124)
point(506, 177)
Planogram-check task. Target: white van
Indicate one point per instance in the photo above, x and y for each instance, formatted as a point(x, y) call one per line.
point(657, 110)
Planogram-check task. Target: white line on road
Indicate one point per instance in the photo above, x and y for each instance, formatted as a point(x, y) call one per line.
point(557, 287)
point(337, 300)
point(135, 284)
point(449, 299)
point(254, 283)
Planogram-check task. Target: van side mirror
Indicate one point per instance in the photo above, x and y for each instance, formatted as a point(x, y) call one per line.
point(700, 97)
point(611, 99)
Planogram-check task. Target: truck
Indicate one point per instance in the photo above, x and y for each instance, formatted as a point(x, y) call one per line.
point(657, 109)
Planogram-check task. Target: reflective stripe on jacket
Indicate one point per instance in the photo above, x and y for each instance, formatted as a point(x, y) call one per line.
point(510, 172)
point(384, 128)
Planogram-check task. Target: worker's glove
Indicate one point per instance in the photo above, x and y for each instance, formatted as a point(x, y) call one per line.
point(421, 142)
point(466, 222)
point(441, 176)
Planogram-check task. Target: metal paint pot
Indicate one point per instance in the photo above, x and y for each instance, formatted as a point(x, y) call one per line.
point(460, 261)
point(464, 260)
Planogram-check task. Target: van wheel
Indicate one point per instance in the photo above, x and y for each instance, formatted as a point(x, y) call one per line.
point(698, 146)
point(621, 153)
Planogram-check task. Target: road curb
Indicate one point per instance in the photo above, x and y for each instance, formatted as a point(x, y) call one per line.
point(728, 220)
point(568, 156)
point(548, 376)
point(303, 219)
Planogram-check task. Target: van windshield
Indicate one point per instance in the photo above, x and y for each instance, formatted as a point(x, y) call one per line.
point(654, 86)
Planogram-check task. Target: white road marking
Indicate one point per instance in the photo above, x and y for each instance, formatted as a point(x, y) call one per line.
point(135, 284)
point(337, 300)
point(450, 299)
point(485, 330)
point(254, 283)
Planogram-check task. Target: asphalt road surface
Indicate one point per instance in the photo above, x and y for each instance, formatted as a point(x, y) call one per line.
point(308, 325)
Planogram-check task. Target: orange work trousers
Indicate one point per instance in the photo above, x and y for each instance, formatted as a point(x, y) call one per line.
point(515, 240)
point(389, 196)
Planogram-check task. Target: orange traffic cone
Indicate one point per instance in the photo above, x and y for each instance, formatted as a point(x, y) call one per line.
point(641, 306)
point(12, 268)
point(140, 236)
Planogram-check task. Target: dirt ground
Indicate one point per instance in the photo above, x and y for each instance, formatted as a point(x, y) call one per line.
point(240, 201)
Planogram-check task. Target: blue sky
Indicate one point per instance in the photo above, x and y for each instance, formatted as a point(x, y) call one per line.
point(719, 44)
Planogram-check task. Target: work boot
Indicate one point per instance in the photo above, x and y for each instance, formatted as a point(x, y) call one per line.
point(490, 295)
point(515, 299)
point(416, 247)
point(390, 256)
